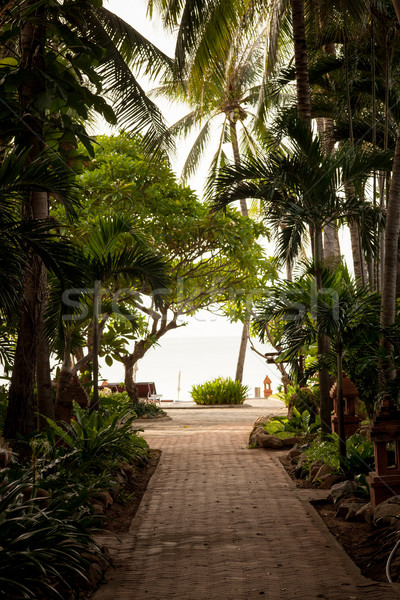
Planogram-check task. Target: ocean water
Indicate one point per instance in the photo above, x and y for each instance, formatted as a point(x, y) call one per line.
point(197, 359)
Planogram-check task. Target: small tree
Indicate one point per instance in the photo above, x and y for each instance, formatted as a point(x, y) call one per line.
point(211, 258)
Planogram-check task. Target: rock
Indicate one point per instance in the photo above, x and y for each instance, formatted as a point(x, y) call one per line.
point(253, 435)
point(5, 457)
point(329, 481)
point(260, 422)
point(315, 467)
point(37, 495)
point(293, 454)
point(128, 470)
point(348, 508)
point(365, 513)
point(323, 472)
point(94, 575)
point(98, 509)
point(386, 512)
point(104, 498)
point(343, 489)
point(291, 441)
point(264, 440)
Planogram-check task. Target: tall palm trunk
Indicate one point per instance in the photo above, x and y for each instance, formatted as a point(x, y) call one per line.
point(323, 344)
point(300, 59)
point(20, 418)
point(304, 108)
point(331, 239)
point(340, 404)
point(94, 405)
point(43, 380)
point(392, 230)
point(245, 213)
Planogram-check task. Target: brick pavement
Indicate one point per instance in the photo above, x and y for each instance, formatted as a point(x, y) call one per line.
point(222, 522)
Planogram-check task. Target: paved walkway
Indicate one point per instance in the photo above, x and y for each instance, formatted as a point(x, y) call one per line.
point(222, 522)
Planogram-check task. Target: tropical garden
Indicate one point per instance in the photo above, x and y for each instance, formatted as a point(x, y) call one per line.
point(291, 120)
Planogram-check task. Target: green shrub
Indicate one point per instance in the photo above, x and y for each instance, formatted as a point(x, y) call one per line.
point(119, 401)
point(151, 410)
point(298, 424)
point(359, 451)
point(42, 550)
point(220, 391)
point(80, 458)
point(302, 399)
point(101, 439)
point(115, 402)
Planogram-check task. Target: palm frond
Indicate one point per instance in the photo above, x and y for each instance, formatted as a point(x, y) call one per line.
point(134, 109)
point(196, 152)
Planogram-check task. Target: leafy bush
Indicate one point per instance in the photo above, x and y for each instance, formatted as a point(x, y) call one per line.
point(100, 439)
point(360, 455)
point(120, 401)
point(220, 391)
point(359, 450)
point(298, 424)
point(151, 410)
point(41, 549)
point(82, 457)
point(115, 402)
point(302, 399)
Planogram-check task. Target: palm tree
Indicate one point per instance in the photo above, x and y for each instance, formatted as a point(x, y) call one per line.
point(342, 316)
point(226, 92)
point(342, 310)
point(21, 240)
point(119, 264)
point(70, 55)
point(392, 233)
point(300, 188)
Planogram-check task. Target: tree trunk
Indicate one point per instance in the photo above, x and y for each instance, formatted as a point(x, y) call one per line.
point(245, 213)
point(360, 272)
point(129, 361)
point(20, 418)
point(43, 380)
point(130, 386)
point(340, 406)
point(300, 59)
point(94, 405)
point(331, 244)
point(236, 157)
point(388, 307)
point(242, 351)
point(323, 347)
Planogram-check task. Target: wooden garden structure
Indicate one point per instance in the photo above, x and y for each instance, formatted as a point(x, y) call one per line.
point(384, 432)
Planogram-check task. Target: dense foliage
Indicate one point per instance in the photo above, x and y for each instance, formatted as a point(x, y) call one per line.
point(220, 391)
point(46, 507)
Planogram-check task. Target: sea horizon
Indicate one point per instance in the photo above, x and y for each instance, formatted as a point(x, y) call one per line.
point(197, 359)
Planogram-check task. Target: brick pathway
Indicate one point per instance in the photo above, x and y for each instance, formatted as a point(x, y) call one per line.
point(222, 522)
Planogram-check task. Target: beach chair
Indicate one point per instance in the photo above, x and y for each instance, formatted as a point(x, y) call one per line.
point(147, 392)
